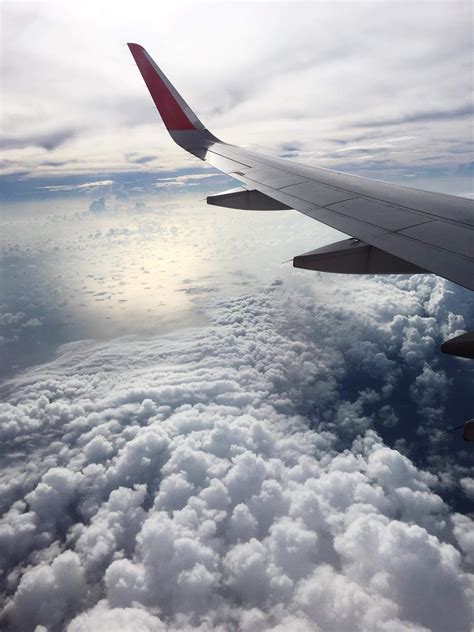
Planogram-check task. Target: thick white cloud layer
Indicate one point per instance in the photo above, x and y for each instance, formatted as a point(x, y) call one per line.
point(227, 478)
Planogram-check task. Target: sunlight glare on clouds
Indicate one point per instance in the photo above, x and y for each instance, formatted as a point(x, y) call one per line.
point(98, 264)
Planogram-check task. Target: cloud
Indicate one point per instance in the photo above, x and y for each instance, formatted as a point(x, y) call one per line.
point(141, 160)
point(98, 205)
point(11, 319)
point(231, 476)
point(461, 111)
point(48, 141)
point(467, 484)
point(85, 186)
point(429, 391)
point(185, 180)
point(49, 593)
point(102, 618)
point(283, 87)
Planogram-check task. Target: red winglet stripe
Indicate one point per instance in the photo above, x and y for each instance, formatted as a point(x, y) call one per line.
point(173, 116)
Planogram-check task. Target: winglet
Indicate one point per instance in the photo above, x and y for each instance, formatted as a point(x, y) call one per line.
point(175, 112)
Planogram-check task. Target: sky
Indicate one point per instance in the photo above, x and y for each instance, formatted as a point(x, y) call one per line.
point(194, 434)
point(380, 88)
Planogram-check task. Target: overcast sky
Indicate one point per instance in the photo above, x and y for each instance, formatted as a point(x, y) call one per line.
point(195, 435)
point(382, 88)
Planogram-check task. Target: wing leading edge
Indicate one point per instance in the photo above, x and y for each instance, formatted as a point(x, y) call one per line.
point(394, 228)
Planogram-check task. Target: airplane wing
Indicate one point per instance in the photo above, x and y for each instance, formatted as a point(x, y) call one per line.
point(393, 229)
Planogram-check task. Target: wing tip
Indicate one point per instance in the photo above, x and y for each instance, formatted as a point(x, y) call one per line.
point(135, 47)
point(176, 115)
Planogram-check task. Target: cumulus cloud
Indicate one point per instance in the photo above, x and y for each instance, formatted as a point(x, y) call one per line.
point(48, 593)
point(98, 205)
point(16, 325)
point(467, 484)
point(227, 478)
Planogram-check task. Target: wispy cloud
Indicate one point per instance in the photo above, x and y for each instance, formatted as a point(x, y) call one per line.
point(461, 111)
point(185, 180)
point(48, 141)
point(139, 159)
point(86, 186)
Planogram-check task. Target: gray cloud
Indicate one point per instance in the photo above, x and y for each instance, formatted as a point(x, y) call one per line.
point(285, 84)
point(141, 160)
point(48, 141)
point(461, 111)
point(98, 205)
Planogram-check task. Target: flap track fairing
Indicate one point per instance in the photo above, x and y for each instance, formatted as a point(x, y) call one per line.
point(351, 256)
point(246, 200)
